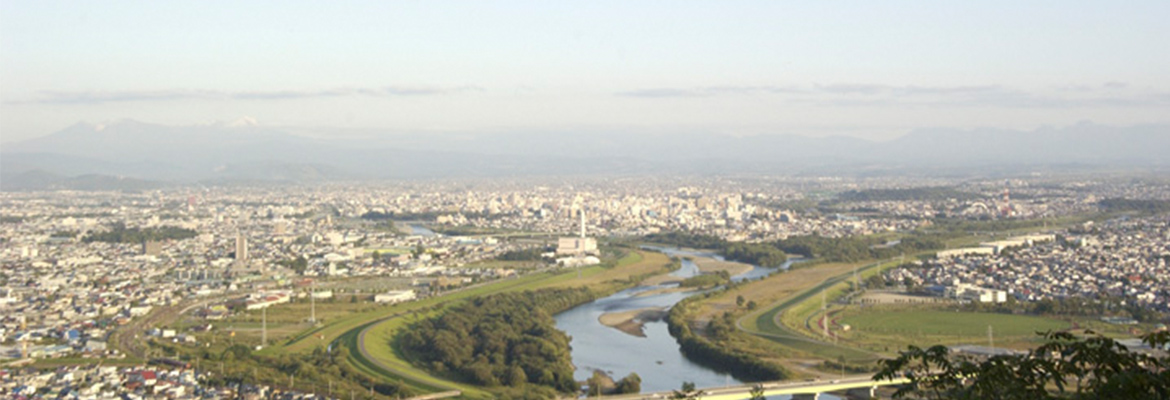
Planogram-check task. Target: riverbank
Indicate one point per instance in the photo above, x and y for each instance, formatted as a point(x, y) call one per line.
point(631, 322)
point(708, 265)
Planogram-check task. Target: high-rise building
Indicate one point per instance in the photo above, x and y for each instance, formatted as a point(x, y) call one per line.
point(241, 247)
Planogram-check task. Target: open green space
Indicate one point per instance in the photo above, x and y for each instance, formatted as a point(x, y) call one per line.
point(944, 323)
point(890, 329)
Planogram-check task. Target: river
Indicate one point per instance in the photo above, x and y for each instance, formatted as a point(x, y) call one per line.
point(656, 358)
point(419, 230)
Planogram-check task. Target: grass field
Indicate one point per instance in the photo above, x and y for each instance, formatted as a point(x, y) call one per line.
point(894, 328)
point(949, 323)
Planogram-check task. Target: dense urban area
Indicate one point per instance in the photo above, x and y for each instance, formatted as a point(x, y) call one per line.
point(124, 294)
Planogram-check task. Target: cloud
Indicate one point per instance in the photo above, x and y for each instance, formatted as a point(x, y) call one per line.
point(94, 97)
point(710, 91)
point(1111, 94)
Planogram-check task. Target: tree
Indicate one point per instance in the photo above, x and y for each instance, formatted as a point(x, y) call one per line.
point(687, 392)
point(596, 382)
point(739, 300)
point(632, 383)
point(752, 305)
point(1064, 367)
point(757, 392)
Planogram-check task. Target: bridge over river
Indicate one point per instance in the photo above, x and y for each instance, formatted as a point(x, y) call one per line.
point(859, 386)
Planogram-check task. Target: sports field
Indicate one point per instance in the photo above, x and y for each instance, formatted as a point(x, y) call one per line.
point(896, 327)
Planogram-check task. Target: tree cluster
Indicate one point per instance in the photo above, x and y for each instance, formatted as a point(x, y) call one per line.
point(119, 233)
point(741, 365)
point(507, 339)
point(1127, 205)
point(533, 254)
point(1064, 367)
point(683, 239)
point(754, 253)
point(938, 193)
point(852, 249)
point(299, 264)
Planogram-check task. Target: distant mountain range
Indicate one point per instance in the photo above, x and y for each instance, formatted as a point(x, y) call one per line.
point(131, 154)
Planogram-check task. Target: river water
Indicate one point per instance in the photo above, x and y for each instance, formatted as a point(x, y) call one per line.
point(419, 230)
point(656, 358)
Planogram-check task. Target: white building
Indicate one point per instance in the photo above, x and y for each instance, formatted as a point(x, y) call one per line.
point(577, 246)
point(395, 296)
point(975, 293)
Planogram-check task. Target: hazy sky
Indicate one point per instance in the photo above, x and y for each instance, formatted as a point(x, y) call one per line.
point(860, 68)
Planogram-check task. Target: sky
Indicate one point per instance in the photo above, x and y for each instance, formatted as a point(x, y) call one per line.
point(873, 69)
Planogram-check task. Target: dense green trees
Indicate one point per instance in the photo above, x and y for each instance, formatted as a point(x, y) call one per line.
point(856, 248)
point(507, 339)
point(533, 254)
point(760, 254)
point(632, 383)
point(682, 239)
point(1125, 205)
point(774, 254)
point(299, 264)
point(687, 392)
point(712, 353)
point(1065, 367)
point(119, 233)
point(920, 193)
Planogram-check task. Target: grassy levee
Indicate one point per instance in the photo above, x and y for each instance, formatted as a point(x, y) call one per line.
point(798, 316)
point(766, 324)
point(395, 367)
point(372, 344)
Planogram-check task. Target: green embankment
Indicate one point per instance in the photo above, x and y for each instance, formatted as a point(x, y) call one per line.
point(767, 322)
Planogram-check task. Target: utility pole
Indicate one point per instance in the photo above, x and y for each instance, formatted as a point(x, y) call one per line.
point(313, 302)
point(264, 327)
point(990, 338)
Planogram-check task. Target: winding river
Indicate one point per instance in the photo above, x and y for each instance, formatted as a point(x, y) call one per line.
point(656, 358)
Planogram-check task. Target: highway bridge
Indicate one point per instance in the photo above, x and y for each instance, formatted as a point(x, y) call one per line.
point(861, 386)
